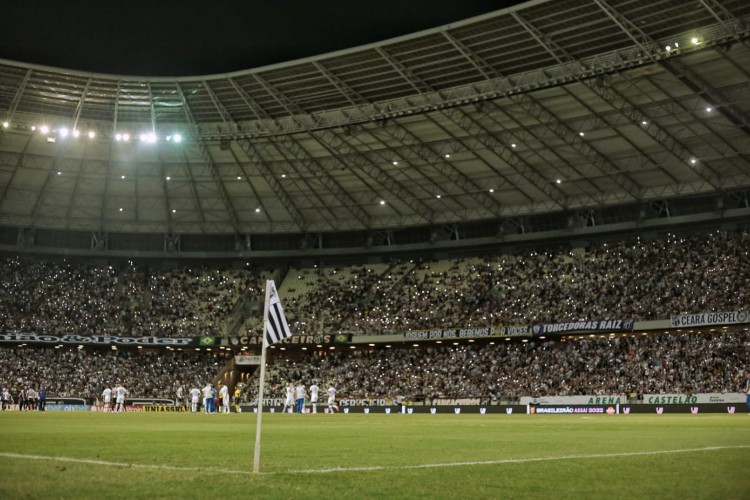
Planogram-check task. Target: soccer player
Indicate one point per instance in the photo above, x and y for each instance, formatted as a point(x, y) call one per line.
point(289, 401)
point(224, 395)
point(300, 393)
point(6, 399)
point(107, 395)
point(42, 399)
point(208, 398)
point(195, 395)
point(332, 399)
point(237, 394)
point(180, 393)
point(22, 398)
point(120, 392)
point(314, 390)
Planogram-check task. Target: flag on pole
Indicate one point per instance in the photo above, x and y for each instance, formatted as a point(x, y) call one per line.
point(277, 328)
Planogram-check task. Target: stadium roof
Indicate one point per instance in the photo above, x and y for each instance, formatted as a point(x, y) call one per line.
point(546, 107)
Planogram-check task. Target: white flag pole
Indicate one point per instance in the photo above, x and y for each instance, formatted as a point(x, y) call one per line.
point(256, 456)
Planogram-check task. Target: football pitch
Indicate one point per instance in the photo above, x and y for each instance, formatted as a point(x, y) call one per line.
point(170, 455)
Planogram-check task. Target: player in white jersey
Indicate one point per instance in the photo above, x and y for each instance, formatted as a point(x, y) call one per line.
point(299, 396)
point(120, 392)
point(224, 395)
point(314, 390)
point(195, 395)
point(208, 398)
point(107, 395)
point(332, 399)
point(289, 399)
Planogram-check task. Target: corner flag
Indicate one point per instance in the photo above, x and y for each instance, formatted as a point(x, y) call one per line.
point(277, 328)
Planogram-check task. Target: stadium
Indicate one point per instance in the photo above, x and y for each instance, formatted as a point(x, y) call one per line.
point(515, 247)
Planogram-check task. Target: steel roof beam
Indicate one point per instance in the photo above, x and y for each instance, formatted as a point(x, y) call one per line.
point(17, 97)
point(354, 159)
point(487, 71)
point(257, 160)
point(228, 205)
point(424, 150)
point(618, 101)
point(312, 165)
point(501, 148)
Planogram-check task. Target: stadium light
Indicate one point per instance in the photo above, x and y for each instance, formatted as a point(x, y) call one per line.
point(76, 133)
point(44, 129)
point(148, 137)
point(91, 134)
point(63, 132)
point(177, 138)
point(6, 124)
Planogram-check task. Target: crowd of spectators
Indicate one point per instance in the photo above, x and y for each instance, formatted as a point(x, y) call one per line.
point(686, 363)
point(74, 297)
point(85, 373)
point(638, 279)
point(504, 371)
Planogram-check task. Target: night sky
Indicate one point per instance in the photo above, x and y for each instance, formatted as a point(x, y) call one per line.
point(170, 38)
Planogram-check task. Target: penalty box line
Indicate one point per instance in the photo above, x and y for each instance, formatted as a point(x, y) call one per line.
point(368, 468)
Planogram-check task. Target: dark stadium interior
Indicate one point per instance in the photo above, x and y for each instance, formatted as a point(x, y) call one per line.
point(541, 164)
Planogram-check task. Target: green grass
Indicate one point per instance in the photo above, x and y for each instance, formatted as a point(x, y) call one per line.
point(201, 456)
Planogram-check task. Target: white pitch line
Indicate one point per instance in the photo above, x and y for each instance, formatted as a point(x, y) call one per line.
point(370, 468)
point(508, 460)
point(121, 464)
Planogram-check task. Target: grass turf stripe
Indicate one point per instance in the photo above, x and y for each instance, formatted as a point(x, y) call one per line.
point(368, 468)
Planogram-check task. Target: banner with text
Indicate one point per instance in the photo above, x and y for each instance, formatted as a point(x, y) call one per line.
point(710, 397)
point(575, 400)
point(709, 319)
point(467, 333)
point(603, 326)
point(102, 340)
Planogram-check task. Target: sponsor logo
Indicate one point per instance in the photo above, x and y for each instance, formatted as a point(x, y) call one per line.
point(387, 411)
point(207, 341)
point(433, 410)
point(367, 410)
point(678, 399)
point(482, 411)
point(626, 410)
point(730, 409)
point(610, 410)
point(659, 410)
point(410, 411)
point(456, 410)
point(272, 410)
point(509, 410)
point(693, 410)
point(346, 410)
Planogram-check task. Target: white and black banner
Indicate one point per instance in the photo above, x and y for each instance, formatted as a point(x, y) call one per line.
point(604, 325)
point(708, 319)
point(99, 340)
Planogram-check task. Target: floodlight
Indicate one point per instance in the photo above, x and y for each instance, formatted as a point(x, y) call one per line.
point(44, 129)
point(177, 138)
point(63, 132)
